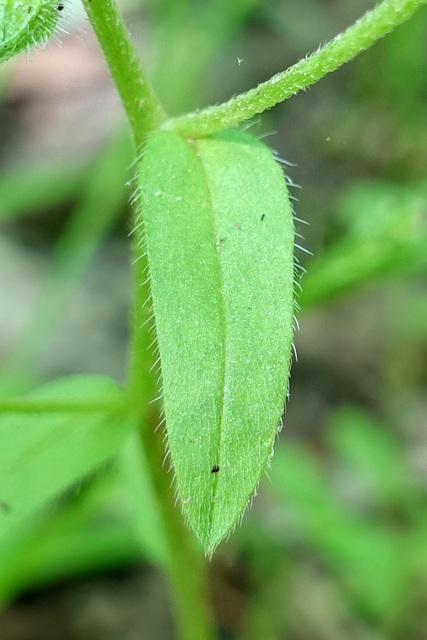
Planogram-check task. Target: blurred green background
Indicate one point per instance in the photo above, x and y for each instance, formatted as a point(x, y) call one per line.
point(334, 545)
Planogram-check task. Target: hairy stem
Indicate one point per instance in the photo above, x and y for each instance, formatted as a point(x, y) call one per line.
point(186, 566)
point(364, 33)
point(142, 105)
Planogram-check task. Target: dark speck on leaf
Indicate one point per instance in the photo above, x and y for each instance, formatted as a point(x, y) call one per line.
point(262, 217)
point(215, 469)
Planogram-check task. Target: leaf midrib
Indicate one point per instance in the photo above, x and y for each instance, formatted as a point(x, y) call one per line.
point(211, 207)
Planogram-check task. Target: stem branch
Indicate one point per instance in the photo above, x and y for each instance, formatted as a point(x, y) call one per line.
point(186, 568)
point(364, 33)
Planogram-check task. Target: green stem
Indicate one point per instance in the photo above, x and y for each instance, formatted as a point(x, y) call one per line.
point(186, 565)
point(364, 33)
point(185, 568)
point(142, 105)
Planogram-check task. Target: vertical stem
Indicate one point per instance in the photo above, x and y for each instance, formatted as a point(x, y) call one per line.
point(142, 105)
point(186, 565)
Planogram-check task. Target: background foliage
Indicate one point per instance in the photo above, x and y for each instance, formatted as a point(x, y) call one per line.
point(334, 545)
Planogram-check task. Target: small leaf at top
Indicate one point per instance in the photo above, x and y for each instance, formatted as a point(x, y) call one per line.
point(219, 239)
point(24, 23)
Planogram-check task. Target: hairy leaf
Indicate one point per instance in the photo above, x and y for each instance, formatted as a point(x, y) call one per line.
point(219, 238)
point(24, 23)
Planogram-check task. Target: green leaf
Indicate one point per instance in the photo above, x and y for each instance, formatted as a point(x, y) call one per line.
point(219, 238)
point(86, 534)
point(24, 24)
point(101, 201)
point(43, 454)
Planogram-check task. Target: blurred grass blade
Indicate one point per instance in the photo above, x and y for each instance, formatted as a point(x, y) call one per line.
point(367, 556)
point(351, 264)
point(45, 187)
point(101, 203)
point(386, 234)
point(87, 533)
point(375, 455)
point(43, 454)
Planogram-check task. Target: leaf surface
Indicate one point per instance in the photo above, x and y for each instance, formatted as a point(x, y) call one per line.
point(219, 239)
